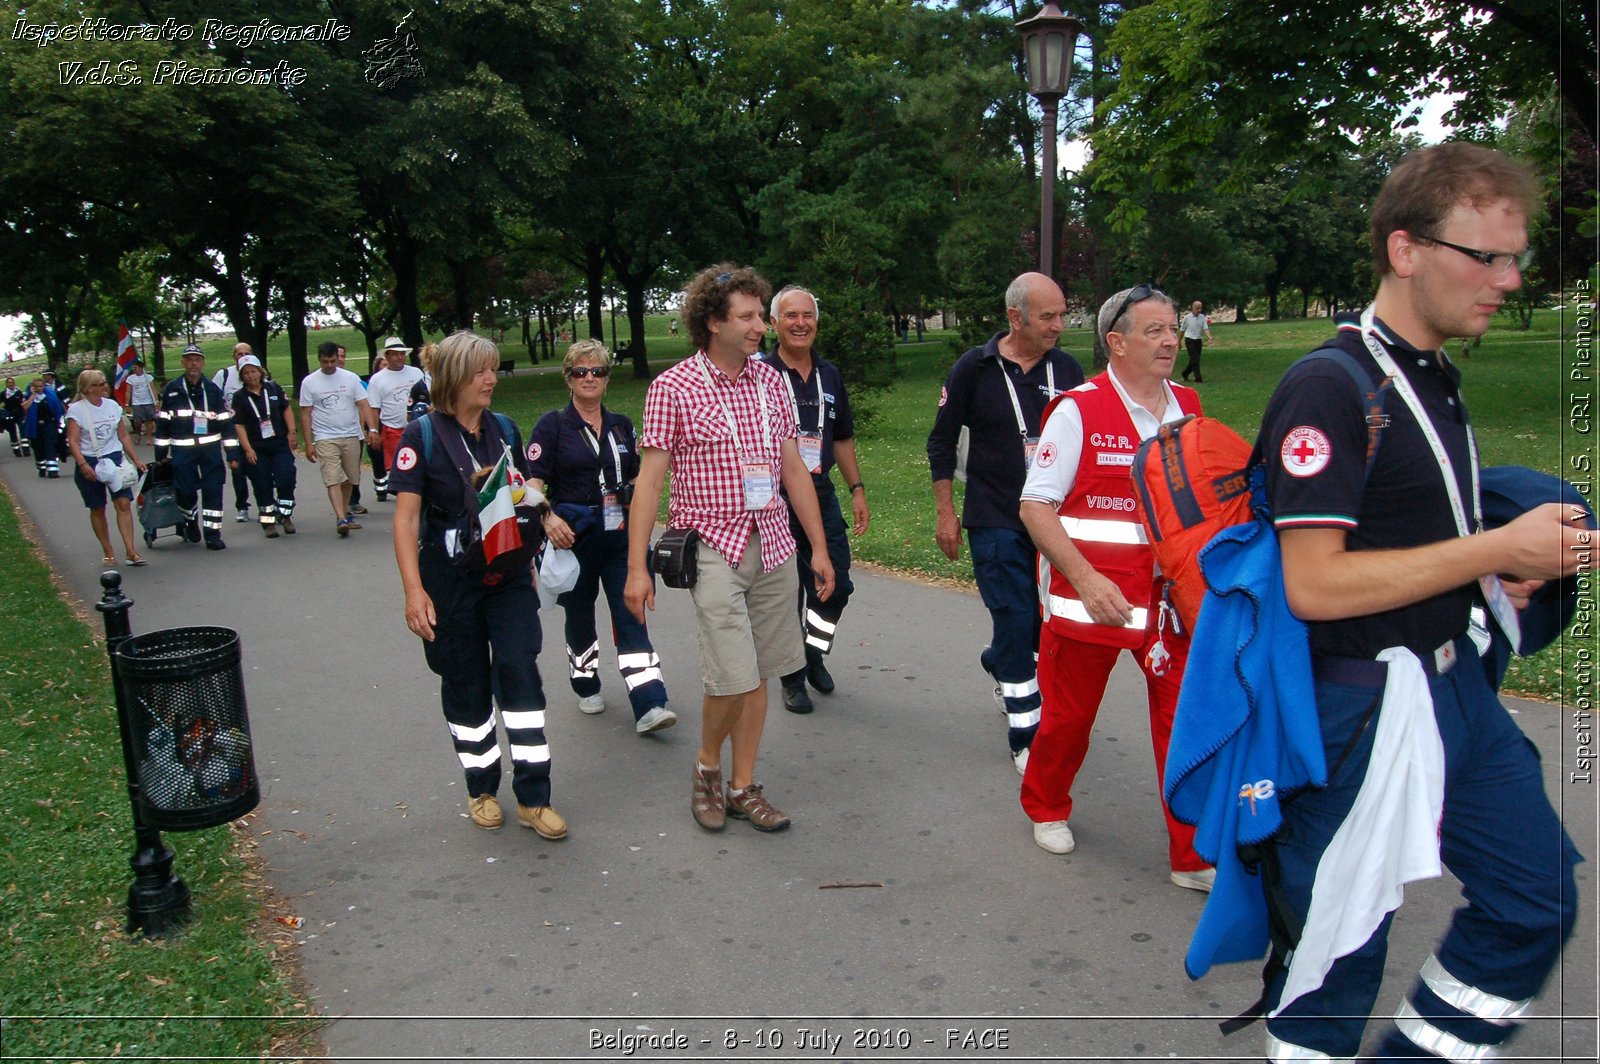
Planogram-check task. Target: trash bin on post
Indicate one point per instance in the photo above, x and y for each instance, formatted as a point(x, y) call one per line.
point(191, 733)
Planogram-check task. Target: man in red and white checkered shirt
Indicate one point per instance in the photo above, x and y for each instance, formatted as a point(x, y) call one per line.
point(722, 422)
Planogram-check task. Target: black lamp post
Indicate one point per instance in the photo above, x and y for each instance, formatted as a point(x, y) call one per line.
point(187, 299)
point(1048, 40)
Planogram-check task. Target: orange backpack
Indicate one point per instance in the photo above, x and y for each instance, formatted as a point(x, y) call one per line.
point(1192, 480)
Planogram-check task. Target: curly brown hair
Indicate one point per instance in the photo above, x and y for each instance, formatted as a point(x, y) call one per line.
point(706, 296)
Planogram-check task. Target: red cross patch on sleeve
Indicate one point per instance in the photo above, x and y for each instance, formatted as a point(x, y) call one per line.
point(1305, 451)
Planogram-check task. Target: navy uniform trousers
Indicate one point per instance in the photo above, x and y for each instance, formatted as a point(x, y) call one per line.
point(273, 477)
point(1499, 836)
point(603, 563)
point(198, 474)
point(1005, 565)
point(820, 620)
point(485, 652)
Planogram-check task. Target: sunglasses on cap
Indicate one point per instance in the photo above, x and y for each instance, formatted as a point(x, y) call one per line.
point(597, 372)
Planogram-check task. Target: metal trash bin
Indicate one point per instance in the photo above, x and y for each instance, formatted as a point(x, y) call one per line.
point(191, 733)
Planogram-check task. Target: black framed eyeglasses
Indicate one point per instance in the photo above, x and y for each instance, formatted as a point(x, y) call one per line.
point(1498, 261)
point(1135, 295)
point(597, 372)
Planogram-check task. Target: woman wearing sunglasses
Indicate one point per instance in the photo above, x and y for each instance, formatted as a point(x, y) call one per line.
point(585, 458)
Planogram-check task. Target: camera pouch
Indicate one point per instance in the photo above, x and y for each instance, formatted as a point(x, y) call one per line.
point(675, 557)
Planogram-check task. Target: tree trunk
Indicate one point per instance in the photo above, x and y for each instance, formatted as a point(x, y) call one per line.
point(1238, 313)
point(594, 272)
point(401, 253)
point(641, 363)
point(158, 354)
point(294, 303)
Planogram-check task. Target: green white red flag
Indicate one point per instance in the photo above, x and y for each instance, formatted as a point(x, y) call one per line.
point(497, 515)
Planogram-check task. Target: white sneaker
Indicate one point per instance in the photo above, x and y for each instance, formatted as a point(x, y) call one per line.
point(1020, 759)
point(1202, 880)
point(1053, 836)
point(656, 718)
point(592, 704)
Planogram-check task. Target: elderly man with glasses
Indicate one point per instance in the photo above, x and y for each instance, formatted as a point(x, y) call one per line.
point(1103, 595)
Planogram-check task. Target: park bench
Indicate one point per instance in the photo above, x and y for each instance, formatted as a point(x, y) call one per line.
point(508, 365)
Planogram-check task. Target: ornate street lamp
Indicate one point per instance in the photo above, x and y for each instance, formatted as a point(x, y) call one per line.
point(187, 299)
point(1048, 41)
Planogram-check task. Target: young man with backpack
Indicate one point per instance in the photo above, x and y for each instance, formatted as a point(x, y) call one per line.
point(1383, 563)
point(1103, 595)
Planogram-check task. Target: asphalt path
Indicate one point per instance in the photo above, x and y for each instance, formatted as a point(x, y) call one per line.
point(906, 915)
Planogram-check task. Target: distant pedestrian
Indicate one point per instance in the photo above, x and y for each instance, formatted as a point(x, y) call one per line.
point(141, 401)
point(335, 417)
point(389, 393)
point(267, 438)
point(196, 431)
point(98, 439)
point(1194, 326)
point(42, 412)
point(12, 413)
point(227, 378)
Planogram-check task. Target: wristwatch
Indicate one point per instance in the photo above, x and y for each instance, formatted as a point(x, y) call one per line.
point(857, 486)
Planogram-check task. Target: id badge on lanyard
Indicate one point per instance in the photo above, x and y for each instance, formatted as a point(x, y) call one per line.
point(611, 511)
point(758, 485)
point(1494, 592)
point(267, 431)
point(1030, 444)
point(810, 451)
point(612, 515)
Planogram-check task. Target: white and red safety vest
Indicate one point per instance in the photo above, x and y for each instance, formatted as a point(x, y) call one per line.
point(1102, 517)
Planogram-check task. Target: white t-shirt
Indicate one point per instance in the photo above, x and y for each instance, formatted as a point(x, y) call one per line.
point(140, 392)
point(389, 392)
point(332, 398)
point(1194, 326)
point(1052, 483)
point(98, 427)
point(228, 379)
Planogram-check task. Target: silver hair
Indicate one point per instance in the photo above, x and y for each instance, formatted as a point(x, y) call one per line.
point(1112, 309)
point(1017, 296)
point(772, 311)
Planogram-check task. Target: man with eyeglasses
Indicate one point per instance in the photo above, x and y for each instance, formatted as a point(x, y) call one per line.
point(997, 393)
point(1383, 560)
point(826, 437)
point(1103, 594)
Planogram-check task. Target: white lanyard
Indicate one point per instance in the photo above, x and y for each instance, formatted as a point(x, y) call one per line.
point(1016, 404)
point(616, 454)
point(204, 408)
point(264, 415)
point(794, 400)
point(727, 412)
point(1446, 467)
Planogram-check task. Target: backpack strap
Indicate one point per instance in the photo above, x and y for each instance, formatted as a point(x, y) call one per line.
point(426, 421)
point(1372, 399)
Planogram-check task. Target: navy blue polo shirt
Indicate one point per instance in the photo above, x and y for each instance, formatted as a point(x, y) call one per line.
point(248, 409)
point(561, 452)
point(830, 418)
point(975, 395)
point(1314, 443)
point(435, 477)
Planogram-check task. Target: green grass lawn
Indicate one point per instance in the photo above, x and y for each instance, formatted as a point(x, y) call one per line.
point(64, 872)
point(1514, 382)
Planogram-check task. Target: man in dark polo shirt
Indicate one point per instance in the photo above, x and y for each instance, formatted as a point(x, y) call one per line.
point(826, 437)
point(1383, 562)
point(998, 393)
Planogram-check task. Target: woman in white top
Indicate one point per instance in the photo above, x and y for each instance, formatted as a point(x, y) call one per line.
point(96, 432)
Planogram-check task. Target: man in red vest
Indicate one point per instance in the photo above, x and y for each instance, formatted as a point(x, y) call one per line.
point(1097, 578)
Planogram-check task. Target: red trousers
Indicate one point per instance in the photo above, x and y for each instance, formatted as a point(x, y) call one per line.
point(1072, 679)
point(391, 444)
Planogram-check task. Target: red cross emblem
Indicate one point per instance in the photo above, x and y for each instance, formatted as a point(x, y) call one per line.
point(1305, 451)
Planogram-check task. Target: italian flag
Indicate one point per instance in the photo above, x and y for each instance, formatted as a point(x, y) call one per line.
point(497, 515)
